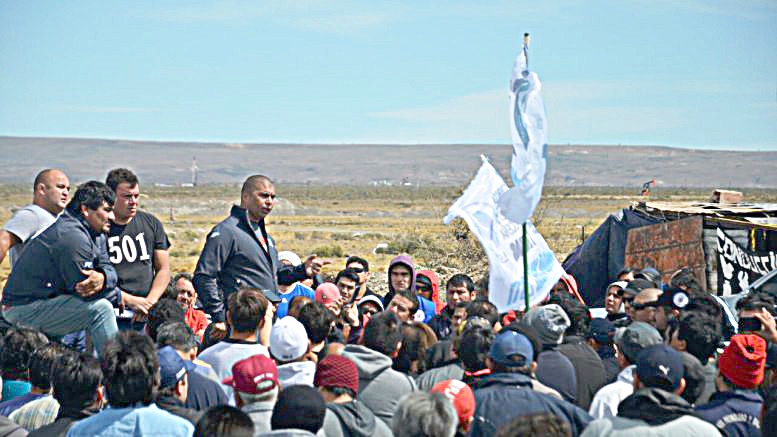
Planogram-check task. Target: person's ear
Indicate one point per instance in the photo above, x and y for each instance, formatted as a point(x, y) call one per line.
point(180, 387)
point(680, 388)
point(533, 367)
point(637, 383)
point(100, 395)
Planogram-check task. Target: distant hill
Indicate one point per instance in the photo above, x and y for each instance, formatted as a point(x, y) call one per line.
point(361, 164)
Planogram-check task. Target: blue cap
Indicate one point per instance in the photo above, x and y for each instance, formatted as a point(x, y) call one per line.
point(511, 349)
point(601, 330)
point(172, 367)
point(660, 366)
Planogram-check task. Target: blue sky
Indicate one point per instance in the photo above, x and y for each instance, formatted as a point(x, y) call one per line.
point(686, 73)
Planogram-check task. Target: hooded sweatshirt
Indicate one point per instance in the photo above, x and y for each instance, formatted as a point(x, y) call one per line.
point(571, 283)
point(438, 305)
point(380, 386)
point(426, 308)
point(297, 373)
point(352, 419)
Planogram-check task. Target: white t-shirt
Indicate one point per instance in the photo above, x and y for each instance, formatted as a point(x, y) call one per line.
point(222, 356)
point(26, 224)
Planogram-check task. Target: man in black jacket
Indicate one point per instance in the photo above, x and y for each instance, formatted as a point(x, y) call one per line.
point(510, 384)
point(62, 281)
point(240, 253)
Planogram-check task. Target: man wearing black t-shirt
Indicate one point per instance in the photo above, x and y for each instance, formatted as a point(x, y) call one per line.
point(137, 247)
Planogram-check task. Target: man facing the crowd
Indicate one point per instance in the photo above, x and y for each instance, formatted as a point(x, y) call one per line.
point(137, 246)
point(62, 279)
point(459, 288)
point(239, 253)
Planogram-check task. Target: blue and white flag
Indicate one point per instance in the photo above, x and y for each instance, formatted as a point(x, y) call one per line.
point(528, 128)
point(502, 241)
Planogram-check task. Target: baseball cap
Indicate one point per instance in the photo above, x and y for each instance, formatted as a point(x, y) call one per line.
point(620, 284)
point(548, 321)
point(511, 349)
point(371, 298)
point(172, 367)
point(601, 330)
point(636, 337)
point(635, 286)
point(337, 371)
point(743, 360)
point(291, 257)
point(660, 366)
point(674, 297)
point(288, 339)
point(461, 395)
point(327, 293)
point(256, 374)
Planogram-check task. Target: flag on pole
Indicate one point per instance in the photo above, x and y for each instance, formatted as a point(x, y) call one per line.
point(502, 241)
point(528, 128)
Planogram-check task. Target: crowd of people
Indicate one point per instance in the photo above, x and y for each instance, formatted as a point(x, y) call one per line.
point(100, 338)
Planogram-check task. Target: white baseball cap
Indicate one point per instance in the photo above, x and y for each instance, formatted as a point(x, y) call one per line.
point(288, 339)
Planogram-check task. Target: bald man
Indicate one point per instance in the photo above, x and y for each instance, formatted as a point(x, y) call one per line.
point(239, 253)
point(50, 191)
point(645, 305)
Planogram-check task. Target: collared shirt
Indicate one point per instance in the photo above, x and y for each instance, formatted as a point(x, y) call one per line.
point(138, 420)
point(606, 401)
point(37, 413)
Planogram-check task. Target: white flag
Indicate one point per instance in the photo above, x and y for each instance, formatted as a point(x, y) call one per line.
point(502, 241)
point(528, 128)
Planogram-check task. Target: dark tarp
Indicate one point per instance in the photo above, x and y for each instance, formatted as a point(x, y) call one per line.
point(596, 263)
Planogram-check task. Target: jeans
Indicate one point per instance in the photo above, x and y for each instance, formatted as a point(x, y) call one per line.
point(65, 314)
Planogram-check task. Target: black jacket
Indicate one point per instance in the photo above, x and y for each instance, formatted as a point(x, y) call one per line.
point(500, 397)
point(51, 263)
point(654, 406)
point(734, 413)
point(233, 258)
point(589, 369)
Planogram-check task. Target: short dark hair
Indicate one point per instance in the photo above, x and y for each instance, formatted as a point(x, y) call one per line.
point(92, 195)
point(579, 317)
point(317, 321)
point(461, 280)
point(756, 301)
point(40, 364)
point(411, 295)
point(41, 177)
point(484, 309)
point(383, 333)
point(171, 292)
point(685, 280)
point(164, 311)
point(347, 274)
point(131, 369)
point(540, 424)
point(18, 345)
point(300, 407)
point(120, 175)
point(474, 346)
point(417, 338)
point(246, 308)
point(176, 334)
point(75, 378)
point(339, 391)
point(224, 421)
point(254, 180)
point(700, 333)
point(360, 260)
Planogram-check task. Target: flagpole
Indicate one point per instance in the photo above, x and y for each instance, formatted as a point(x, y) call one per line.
point(525, 236)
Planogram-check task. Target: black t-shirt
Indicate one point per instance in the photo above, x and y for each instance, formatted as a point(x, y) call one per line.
point(131, 251)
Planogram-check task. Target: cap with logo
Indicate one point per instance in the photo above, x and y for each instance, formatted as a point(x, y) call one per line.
point(253, 375)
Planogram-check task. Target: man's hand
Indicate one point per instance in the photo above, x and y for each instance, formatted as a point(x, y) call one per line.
point(220, 327)
point(351, 315)
point(768, 325)
point(140, 305)
point(313, 265)
point(92, 285)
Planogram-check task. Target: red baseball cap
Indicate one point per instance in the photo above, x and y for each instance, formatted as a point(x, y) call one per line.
point(254, 375)
point(327, 293)
point(461, 395)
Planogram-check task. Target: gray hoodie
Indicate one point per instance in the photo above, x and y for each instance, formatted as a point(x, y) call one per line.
point(380, 386)
point(352, 419)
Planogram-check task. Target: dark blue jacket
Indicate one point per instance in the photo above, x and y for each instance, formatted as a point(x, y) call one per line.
point(734, 413)
point(51, 263)
point(501, 397)
point(233, 258)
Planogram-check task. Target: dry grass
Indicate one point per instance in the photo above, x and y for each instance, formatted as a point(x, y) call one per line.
point(341, 221)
